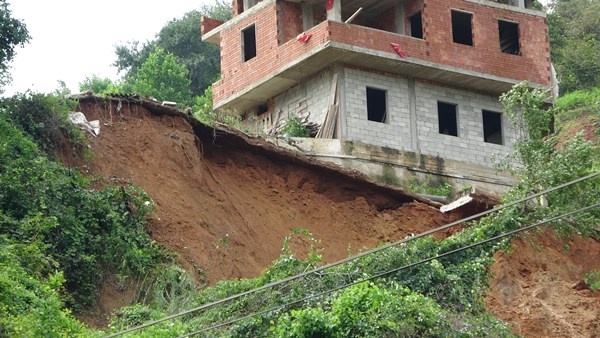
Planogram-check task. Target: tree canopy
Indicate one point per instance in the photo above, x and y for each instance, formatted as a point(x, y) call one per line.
point(574, 29)
point(13, 33)
point(180, 37)
point(160, 76)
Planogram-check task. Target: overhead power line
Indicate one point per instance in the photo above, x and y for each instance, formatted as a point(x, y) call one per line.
point(351, 258)
point(389, 272)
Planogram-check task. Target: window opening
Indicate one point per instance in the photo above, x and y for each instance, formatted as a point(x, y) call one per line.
point(416, 25)
point(447, 119)
point(509, 37)
point(492, 127)
point(462, 29)
point(249, 43)
point(262, 108)
point(376, 105)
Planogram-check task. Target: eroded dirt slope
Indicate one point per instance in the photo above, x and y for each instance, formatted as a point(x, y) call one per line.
point(226, 202)
point(534, 287)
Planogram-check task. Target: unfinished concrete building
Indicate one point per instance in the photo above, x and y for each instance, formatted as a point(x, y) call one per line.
point(399, 87)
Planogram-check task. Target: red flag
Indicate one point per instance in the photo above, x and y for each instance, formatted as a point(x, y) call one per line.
point(303, 37)
point(329, 4)
point(398, 49)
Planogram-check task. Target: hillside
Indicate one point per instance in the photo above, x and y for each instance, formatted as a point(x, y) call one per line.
point(226, 201)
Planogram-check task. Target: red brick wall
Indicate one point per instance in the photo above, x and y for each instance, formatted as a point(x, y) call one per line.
point(236, 74)
point(237, 7)
point(484, 56)
point(207, 24)
point(378, 40)
point(290, 20)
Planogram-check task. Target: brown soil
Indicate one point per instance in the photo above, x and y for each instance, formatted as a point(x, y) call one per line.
point(586, 124)
point(225, 201)
point(537, 288)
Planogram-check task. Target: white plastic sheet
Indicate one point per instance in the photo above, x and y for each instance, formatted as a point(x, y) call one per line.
point(78, 119)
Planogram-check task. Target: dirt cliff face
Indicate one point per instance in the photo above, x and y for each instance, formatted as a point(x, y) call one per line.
point(535, 286)
point(225, 202)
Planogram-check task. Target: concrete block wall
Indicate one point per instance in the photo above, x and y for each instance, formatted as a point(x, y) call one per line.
point(395, 133)
point(310, 97)
point(469, 145)
point(398, 132)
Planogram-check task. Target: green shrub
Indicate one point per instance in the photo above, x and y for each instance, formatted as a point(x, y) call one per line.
point(593, 280)
point(305, 323)
point(367, 310)
point(83, 230)
point(30, 299)
point(44, 118)
point(580, 99)
point(293, 128)
point(430, 186)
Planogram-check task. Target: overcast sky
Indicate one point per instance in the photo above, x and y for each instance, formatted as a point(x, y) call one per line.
point(73, 39)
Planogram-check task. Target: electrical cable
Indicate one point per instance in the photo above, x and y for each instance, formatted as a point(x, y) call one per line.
point(389, 272)
point(351, 258)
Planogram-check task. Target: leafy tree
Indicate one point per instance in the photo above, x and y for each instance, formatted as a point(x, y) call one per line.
point(132, 55)
point(180, 37)
point(574, 29)
point(544, 162)
point(98, 85)
point(163, 78)
point(12, 33)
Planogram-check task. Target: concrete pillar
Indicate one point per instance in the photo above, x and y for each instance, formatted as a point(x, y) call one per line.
point(335, 14)
point(308, 19)
point(400, 18)
point(521, 3)
point(412, 107)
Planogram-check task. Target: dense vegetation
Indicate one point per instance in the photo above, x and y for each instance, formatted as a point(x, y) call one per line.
point(574, 27)
point(59, 233)
point(13, 33)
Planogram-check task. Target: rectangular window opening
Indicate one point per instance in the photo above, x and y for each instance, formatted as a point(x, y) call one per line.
point(447, 119)
point(416, 25)
point(509, 37)
point(249, 43)
point(462, 28)
point(492, 127)
point(376, 105)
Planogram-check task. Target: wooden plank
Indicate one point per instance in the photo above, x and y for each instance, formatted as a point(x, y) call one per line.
point(328, 127)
